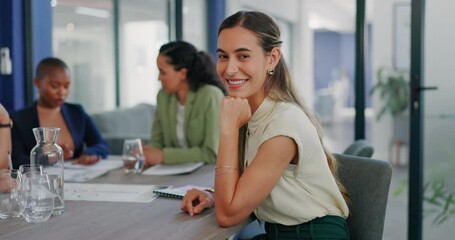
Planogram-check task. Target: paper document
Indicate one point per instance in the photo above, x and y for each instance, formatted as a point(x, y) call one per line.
point(172, 169)
point(110, 192)
point(82, 173)
point(111, 163)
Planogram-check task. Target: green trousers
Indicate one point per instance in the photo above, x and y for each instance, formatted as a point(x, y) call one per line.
point(328, 227)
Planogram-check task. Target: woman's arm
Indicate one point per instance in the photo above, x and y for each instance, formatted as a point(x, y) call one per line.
point(237, 196)
point(96, 147)
point(202, 131)
point(206, 128)
point(5, 138)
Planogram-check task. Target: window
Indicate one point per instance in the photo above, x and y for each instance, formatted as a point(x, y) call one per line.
point(143, 29)
point(83, 36)
point(194, 23)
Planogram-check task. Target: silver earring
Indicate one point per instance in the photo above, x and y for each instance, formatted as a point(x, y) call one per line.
point(271, 71)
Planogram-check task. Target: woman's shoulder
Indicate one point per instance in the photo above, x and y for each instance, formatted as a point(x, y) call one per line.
point(73, 107)
point(22, 111)
point(209, 92)
point(288, 115)
point(162, 96)
point(287, 110)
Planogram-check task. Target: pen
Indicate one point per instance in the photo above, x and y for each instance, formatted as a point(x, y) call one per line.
point(10, 162)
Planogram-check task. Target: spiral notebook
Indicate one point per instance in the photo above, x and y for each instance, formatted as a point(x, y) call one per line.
point(172, 169)
point(178, 193)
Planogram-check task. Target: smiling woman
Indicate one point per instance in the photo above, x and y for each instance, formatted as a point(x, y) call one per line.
point(271, 158)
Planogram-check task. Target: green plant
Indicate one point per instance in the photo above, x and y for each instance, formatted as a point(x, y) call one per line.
point(440, 201)
point(393, 89)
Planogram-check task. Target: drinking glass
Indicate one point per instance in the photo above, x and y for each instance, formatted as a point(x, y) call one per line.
point(36, 197)
point(49, 154)
point(9, 194)
point(133, 156)
point(25, 168)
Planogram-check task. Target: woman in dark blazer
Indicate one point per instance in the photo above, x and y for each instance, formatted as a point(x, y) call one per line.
point(79, 137)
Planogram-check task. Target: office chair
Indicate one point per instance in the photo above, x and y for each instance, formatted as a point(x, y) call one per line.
point(361, 148)
point(367, 182)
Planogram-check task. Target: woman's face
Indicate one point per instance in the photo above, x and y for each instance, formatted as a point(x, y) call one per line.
point(171, 80)
point(54, 87)
point(242, 64)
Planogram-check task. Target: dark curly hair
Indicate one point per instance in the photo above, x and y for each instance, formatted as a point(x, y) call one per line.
point(200, 66)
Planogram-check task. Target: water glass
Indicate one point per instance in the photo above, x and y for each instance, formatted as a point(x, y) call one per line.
point(56, 184)
point(36, 197)
point(133, 156)
point(25, 168)
point(9, 194)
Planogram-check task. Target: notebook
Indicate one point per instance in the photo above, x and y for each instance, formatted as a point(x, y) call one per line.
point(178, 193)
point(172, 169)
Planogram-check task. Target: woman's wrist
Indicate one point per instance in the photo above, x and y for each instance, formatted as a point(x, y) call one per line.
point(212, 193)
point(6, 123)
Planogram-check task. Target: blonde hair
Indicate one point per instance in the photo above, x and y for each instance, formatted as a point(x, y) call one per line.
point(279, 86)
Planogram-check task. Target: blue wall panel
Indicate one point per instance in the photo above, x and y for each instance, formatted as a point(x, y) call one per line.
point(13, 27)
point(216, 12)
point(326, 57)
point(12, 90)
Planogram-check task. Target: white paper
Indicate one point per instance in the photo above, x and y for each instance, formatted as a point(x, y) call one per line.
point(111, 163)
point(109, 192)
point(172, 169)
point(83, 173)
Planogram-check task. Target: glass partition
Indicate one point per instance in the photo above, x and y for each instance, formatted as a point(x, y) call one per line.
point(83, 38)
point(439, 122)
point(143, 29)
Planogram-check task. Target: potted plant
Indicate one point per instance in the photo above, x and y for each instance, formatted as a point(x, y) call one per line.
point(393, 90)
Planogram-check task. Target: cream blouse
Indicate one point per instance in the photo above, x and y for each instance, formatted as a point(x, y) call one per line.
point(305, 191)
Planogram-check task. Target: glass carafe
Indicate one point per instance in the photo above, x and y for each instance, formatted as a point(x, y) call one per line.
point(49, 154)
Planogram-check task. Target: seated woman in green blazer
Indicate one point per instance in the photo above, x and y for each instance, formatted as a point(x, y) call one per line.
point(185, 127)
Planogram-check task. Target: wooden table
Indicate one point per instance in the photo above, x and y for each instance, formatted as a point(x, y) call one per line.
point(160, 219)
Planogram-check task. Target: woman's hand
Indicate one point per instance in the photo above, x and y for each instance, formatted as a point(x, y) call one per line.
point(68, 153)
point(152, 156)
point(87, 159)
point(235, 112)
point(195, 201)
